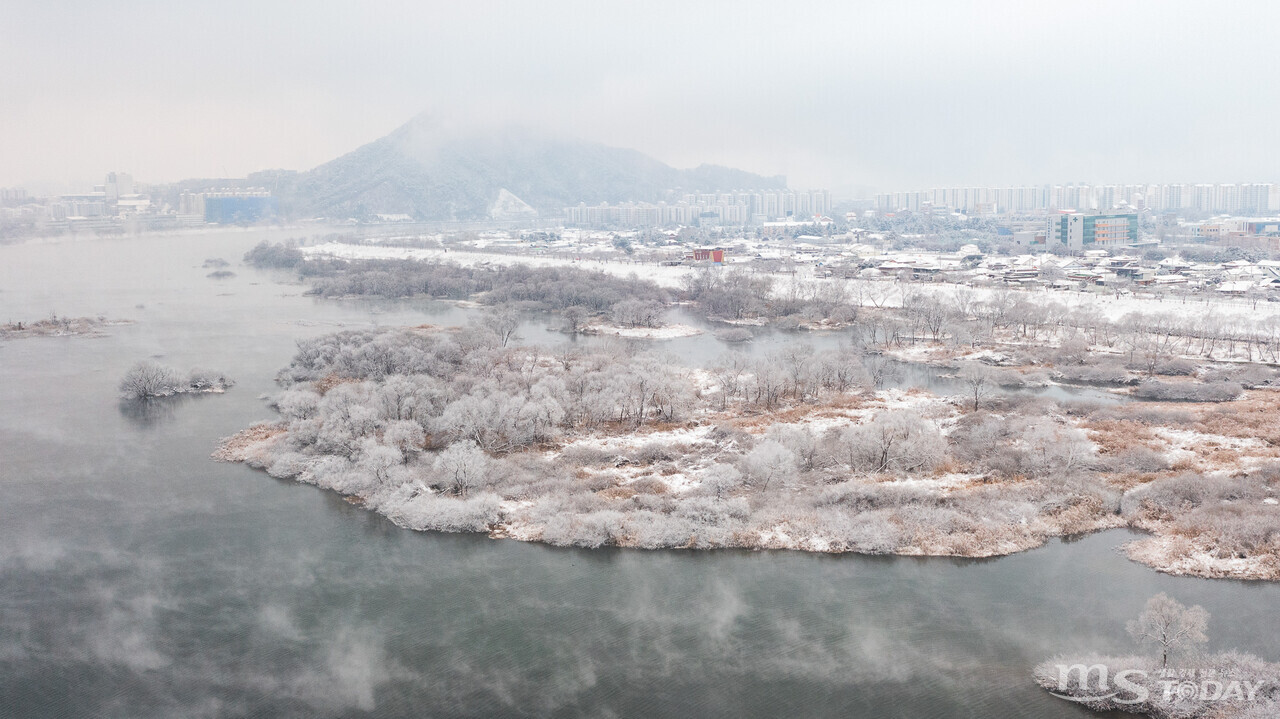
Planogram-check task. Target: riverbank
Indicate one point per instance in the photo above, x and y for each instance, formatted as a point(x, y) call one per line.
point(55, 326)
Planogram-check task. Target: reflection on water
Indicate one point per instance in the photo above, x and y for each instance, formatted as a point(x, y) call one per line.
point(148, 411)
point(139, 578)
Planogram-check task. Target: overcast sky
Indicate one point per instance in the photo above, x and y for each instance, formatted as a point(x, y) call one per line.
point(852, 96)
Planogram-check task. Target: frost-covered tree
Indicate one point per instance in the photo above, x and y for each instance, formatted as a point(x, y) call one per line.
point(149, 379)
point(882, 371)
point(575, 318)
point(1054, 448)
point(462, 467)
point(979, 381)
point(721, 479)
point(298, 403)
point(377, 459)
point(502, 321)
point(769, 462)
point(800, 440)
point(405, 435)
point(638, 313)
point(1169, 625)
point(894, 441)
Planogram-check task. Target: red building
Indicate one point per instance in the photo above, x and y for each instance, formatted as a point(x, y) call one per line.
point(712, 254)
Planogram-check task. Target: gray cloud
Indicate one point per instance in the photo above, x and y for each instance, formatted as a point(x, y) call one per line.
point(848, 95)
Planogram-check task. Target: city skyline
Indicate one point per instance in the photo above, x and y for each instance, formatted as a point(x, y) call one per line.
point(1249, 197)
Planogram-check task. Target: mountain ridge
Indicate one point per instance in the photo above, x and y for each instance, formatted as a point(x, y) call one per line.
point(427, 173)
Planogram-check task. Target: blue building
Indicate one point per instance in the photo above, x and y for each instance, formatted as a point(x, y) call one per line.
point(229, 209)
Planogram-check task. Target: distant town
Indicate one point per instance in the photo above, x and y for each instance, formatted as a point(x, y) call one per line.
point(121, 205)
point(1078, 220)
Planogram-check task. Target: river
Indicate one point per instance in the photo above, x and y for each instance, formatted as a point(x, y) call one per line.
point(139, 578)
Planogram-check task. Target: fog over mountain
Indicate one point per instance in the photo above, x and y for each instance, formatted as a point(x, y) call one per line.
point(855, 97)
point(433, 173)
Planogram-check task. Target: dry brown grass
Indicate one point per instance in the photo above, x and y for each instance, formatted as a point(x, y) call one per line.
point(649, 485)
point(950, 465)
point(623, 492)
point(329, 381)
point(1256, 415)
point(836, 407)
point(239, 446)
point(1115, 435)
point(1126, 481)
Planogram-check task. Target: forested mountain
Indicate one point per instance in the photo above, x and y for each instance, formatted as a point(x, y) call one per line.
point(429, 174)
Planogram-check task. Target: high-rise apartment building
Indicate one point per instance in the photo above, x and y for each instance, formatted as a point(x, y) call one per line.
point(1078, 230)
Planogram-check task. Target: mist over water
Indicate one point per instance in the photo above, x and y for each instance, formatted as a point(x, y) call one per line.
point(140, 578)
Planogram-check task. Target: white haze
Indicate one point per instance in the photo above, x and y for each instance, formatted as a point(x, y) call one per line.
point(852, 96)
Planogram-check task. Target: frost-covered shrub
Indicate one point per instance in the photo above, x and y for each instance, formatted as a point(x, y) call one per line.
point(341, 475)
point(378, 459)
point(277, 256)
point(639, 313)
point(651, 452)
point(1235, 529)
point(203, 380)
point(1188, 391)
point(449, 514)
point(146, 380)
point(462, 467)
point(734, 334)
point(1175, 495)
point(800, 440)
point(298, 403)
point(1015, 445)
point(149, 379)
point(657, 503)
point(1139, 458)
point(1176, 367)
point(1147, 415)
point(288, 465)
point(874, 532)
point(893, 441)
point(928, 526)
point(591, 530)
point(1248, 376)
point(728, 436)
point(405, 435)
point(1053, 449)
point(651, 530)
point(1102, 373)
point(649, 485)
point(861, 497)
point(721, 480)
point(871, 532)
point(976, 436)
point(769, 463)
point(703, 511)
point(583, 456)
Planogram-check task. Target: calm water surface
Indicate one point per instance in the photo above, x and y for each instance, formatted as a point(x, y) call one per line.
point(139, 578)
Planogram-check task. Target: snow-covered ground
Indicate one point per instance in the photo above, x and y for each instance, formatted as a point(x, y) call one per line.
point(1110, 305)
point(883, 293)
point(664, 276)
point(649, 333)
